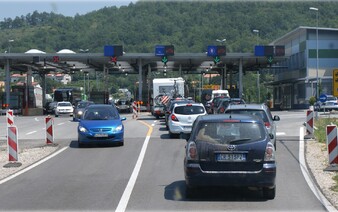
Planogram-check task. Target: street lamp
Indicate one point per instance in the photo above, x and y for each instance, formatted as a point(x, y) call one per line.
point(9, 45)
point(221, 41)
point(258, 88)
point(317, 62)
point(257, 32)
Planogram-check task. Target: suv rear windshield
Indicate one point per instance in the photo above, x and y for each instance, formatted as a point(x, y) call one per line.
point(189, 110)
point(230, 132)
point(260, 113)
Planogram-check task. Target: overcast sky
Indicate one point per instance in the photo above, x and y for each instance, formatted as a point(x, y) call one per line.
point(13, 8)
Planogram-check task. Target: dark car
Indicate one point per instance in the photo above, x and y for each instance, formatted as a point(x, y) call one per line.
point(49, 108)
point(79, 109)
point(124, 106)
point(230, 151)
point(224, 103)
point(101, 124)
point(215, 103)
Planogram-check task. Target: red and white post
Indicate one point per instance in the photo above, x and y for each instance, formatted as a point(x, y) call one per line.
point(13, 145)
point(309, 123)
point(49, 130)
point(9, 118)
point(134, 110)
point(332, 144)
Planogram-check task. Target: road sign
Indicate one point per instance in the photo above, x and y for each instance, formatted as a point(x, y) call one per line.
point(323, 98)
point(164, 59)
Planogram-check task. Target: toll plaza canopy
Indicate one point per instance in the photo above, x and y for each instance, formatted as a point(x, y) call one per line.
point(132, 63)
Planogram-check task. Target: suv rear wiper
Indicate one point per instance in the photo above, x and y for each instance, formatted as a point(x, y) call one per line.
point(236, 141)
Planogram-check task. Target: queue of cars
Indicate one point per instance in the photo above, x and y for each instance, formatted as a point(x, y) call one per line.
point(234, 146)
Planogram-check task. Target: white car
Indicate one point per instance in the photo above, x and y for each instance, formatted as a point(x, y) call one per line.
point(183, 116)
point(64, 108)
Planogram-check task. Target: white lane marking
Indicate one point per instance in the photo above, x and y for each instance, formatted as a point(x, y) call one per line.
point(31, 132)
point(32, 166)
point(316, 191)
point(61, 123)
point(36, 119)
point(121, 207)
point(152, 125)
point(280, 133)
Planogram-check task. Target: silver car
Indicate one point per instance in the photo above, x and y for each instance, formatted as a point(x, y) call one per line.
point(260, 110)
point(183, 116)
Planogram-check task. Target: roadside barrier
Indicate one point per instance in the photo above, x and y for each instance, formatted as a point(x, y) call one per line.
point(13, 145)
point(309, 123)
point(134, 110)
point(331, 141)
point(49, 130)
point(10, 118)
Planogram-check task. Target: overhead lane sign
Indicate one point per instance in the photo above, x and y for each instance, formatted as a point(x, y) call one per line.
point(164, 51)
point(216, 52)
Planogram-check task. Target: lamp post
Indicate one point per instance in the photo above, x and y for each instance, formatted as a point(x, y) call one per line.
point(9, 45)
point(224, 72)
point(258, 88)
point(317, 62)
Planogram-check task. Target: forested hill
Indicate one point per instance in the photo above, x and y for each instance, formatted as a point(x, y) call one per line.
point(190, 26)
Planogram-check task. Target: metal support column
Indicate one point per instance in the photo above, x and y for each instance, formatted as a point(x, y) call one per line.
point(224, 78)
point(140, 80)
point(8, 82)
point(240, 78)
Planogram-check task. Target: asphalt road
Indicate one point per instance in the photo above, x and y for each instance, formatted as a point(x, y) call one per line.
point(144, 174)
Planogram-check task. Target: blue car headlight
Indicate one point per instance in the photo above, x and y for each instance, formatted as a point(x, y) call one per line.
point(82, 129)
point(118, 129)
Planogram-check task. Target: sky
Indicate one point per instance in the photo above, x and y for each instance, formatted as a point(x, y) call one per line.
point(13, 8)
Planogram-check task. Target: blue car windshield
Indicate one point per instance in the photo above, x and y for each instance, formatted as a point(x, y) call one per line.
point(100, 114)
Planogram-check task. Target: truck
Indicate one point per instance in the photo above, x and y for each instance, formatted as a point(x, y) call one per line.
point(99, 97)
point(165, 89)
point(72, 95)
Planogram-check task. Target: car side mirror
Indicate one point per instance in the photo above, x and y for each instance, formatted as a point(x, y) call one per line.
point(271, 136)
point(185, 136)
point(123, 118)
point(276, 118)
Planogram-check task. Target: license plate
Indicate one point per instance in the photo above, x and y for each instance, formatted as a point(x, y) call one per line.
point(187, 128)
point(100, 135)
point(230, 157)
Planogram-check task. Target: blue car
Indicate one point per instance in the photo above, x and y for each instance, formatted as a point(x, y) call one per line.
point(101, 124)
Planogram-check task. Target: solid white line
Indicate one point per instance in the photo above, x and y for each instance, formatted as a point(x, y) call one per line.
point(32, 166)
point(60, 123)
point(127, 192)
point(31, 132)
point(316, 191)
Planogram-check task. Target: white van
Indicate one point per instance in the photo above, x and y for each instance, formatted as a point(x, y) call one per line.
point(217, 93)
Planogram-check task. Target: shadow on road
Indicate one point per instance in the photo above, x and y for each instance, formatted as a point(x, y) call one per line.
point(176, 191)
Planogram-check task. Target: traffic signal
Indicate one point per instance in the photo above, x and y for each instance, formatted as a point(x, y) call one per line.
point(169, 50)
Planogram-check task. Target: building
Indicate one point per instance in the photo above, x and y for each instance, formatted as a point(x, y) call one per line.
point(296, 78)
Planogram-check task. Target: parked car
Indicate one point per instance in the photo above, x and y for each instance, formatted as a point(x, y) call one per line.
point(101, 124)
point(64, 108)
point(124, 105)
point(49, 108)
point(224, 103)
point(183, 116)
point(79, 109)
point(330, 104)
point(260, 110)
point(227, 150)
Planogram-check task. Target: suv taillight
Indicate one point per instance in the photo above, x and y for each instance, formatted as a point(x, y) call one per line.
point(269, 152)
point(192, 151)
point(267, 124)
point(173, 117)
